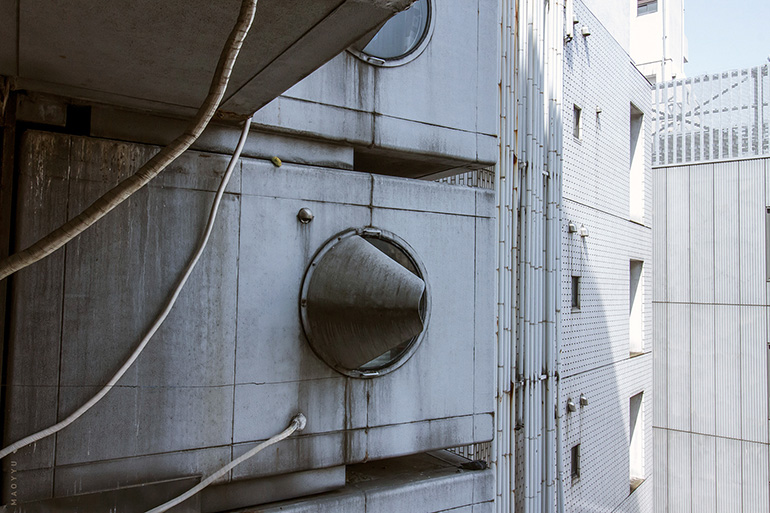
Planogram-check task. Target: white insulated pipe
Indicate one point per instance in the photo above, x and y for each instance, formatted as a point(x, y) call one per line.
point(540, 39)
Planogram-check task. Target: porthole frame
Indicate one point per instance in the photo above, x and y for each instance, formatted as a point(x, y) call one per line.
point(411, 54)
point(411, 254)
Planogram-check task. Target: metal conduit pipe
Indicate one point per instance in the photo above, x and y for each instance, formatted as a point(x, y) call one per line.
point(558, 185)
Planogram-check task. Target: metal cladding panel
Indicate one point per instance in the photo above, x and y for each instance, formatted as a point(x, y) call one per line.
point(726, 234)
point(679, 373)
point(753, 268)
point(660, 365)
point(753, 350)
point(231, 364)
point(677, 234)
point(729, 473)
point(767, 181)
point(704, 459)
point(660, 472)
point(755, 476)
point(702, 368)
point(701, 225)
point(602, 430)
point(727, 396)
point(660, 236)
point(679, 471)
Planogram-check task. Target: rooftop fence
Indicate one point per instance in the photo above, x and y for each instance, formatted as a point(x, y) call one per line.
point(722, 116)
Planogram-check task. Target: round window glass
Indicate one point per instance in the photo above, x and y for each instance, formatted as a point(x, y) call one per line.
point(401, 35)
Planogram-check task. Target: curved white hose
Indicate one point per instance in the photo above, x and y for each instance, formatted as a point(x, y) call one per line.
point(115, 196)
point(297, 424)
point(158, 321)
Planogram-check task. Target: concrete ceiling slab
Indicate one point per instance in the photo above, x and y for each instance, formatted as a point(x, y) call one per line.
point(162, 55)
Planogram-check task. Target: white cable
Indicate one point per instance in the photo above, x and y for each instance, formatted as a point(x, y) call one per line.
point(115, 196)
point(158, 321)
point(297, 424)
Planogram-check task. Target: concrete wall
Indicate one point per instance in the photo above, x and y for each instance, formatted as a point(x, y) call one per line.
point(647, 40)
point(231, 365)
point(596, 357)
point(711, 330)
point(440, 107)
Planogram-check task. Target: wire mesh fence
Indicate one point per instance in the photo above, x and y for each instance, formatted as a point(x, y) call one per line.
point(721, 116)
point(479, 178)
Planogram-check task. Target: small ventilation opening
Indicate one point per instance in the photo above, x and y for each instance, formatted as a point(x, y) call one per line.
point(575, 461)
point(576, 292)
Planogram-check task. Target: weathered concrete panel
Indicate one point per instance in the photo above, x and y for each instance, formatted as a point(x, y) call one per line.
point(432, 197)
point(271, 345)
point(450, 320)
point(231, 365)
point(290, 181)
point(36, 338)
point(484, 372)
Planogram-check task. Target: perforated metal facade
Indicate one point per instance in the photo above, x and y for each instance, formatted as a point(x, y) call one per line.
point(602, 82)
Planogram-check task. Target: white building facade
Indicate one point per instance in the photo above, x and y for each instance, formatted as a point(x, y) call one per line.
point(607, 272)
point(712, 193)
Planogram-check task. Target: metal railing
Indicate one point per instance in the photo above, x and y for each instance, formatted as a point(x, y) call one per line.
point(722, 116)
point(480, 178)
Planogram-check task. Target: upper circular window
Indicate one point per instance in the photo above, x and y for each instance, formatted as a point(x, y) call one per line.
point(401, 39)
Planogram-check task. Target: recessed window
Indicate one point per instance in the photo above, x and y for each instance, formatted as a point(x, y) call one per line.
point(575, 292)
point(400, 39)
point(646, 7)
point(577, 121)
point(576, 461)
point(636, 440)
point(636, 165)
point(635, 298)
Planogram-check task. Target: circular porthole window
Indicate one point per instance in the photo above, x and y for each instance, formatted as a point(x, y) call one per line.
point(365, 302)
point(401, 39)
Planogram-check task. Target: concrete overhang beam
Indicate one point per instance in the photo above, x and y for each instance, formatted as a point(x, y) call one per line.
point(160, 56)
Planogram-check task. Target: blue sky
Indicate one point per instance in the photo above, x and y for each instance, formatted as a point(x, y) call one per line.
point(726, 34)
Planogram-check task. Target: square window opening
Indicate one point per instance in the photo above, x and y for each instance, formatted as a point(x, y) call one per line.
point(635, 310)
point(575, 463)
point(636, 440)
point(577, 119)
point(646, 7)
point(576, 292)
point(636, 165)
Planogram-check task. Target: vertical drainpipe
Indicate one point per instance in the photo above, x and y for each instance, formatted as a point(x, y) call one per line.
point(558, 186)
point(506, 188)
